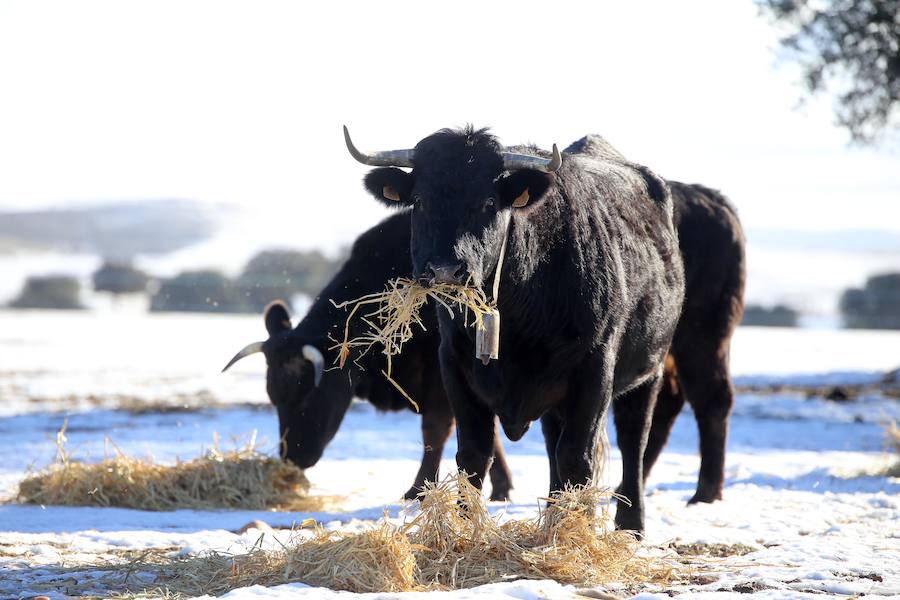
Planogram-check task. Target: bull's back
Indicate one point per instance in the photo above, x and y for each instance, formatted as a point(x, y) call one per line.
point(712, 247)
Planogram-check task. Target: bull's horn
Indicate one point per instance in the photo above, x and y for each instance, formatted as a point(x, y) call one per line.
point(386, 158)
point(513, 161)
point(247, 351)
point(312, 354)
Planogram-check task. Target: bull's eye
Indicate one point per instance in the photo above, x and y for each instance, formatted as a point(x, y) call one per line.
point(490, 202)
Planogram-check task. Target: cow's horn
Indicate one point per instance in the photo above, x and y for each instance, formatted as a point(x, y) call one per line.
point(513, 161)
point(386, 158)
point(312, 354)
point(247, 351)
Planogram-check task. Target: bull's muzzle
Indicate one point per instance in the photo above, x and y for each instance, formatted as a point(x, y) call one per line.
point(453, 273)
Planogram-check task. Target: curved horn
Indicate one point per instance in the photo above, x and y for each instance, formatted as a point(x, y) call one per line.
point(312, 354)
point(247, 351)
point(513, 161)
point(386, 158)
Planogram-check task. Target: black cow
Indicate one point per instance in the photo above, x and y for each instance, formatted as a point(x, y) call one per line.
point(589, 293)
point(311, 401)
point(712, 246)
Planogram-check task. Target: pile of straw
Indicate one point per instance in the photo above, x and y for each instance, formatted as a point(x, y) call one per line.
point(241, 479)
point(444, 547)
point(395, 313)
point(569, 540)
point(380, 559)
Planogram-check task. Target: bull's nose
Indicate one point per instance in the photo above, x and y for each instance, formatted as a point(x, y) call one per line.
point(452, 273)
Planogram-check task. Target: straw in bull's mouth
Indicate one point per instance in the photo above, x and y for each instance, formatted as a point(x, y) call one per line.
point(395, 313)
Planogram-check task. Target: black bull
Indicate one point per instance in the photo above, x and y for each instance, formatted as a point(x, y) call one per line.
point(589, 294)
point(711, 243)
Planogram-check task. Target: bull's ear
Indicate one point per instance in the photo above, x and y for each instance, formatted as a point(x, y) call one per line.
point(389, 185)
point(277, 318)
point(523, 188)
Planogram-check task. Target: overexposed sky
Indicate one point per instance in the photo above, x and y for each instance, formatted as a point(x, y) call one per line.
point(242, 102)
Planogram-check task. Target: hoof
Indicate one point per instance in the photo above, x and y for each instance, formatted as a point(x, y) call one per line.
point(412, 493)
point(707, 492)
point(500, 495)
point(705, 497)
point(636, 529)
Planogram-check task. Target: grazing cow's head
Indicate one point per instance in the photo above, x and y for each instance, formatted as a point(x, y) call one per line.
point(310, 407)
point(461, 189)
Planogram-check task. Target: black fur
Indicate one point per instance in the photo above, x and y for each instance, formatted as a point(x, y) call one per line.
point(590, 294)
point(711, 241)
point(309, 416)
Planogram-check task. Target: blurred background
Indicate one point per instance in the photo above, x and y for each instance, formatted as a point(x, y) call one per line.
point(161, 149)
point(174, 157)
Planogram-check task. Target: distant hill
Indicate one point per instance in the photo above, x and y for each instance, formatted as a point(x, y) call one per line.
point(843, 240)
point(115, 230)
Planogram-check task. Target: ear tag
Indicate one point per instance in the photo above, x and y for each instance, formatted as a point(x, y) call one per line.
point(522, 200)
point(487, 340)
point(390, 193)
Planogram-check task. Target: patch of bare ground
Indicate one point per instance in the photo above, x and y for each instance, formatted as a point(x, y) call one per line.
point(141, 405)
point(888, 386)
point(110, 573)
point(713, 550)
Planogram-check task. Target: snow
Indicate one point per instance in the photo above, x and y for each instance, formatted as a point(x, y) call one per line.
point(803, 490)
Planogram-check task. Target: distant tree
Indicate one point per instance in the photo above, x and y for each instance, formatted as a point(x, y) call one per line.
point(775, 316)
point(54, 291)
point(119, 278)
point(876, 306)
point(273, 274)
point(851, 48)
point(197, 291)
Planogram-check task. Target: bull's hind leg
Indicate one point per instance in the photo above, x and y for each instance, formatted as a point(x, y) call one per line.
point(633, 413)
point(704, 377)
point(669, 403)
point(501, 477)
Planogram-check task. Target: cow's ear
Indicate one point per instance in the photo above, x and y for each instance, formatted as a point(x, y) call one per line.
point(523, 188)
point(277, 318)
point(390, 185)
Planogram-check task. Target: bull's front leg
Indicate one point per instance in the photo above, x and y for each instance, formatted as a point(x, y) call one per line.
point(580, 427)
point(474, 421)
point(633, 416)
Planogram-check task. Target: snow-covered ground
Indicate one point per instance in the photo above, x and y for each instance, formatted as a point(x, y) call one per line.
point(803, 498)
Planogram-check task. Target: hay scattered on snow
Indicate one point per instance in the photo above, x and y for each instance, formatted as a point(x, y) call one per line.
point(380, 559)
point(240, 479)
point(395, 313)
point(569, 541)
point(892, 434)
point(443, 547)
point(893, 437)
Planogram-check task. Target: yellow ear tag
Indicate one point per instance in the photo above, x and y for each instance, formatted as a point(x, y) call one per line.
point(390, 193)
point(522, 200)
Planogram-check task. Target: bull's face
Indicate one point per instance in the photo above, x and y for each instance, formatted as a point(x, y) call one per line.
point(462, 189)
point(308, 414)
